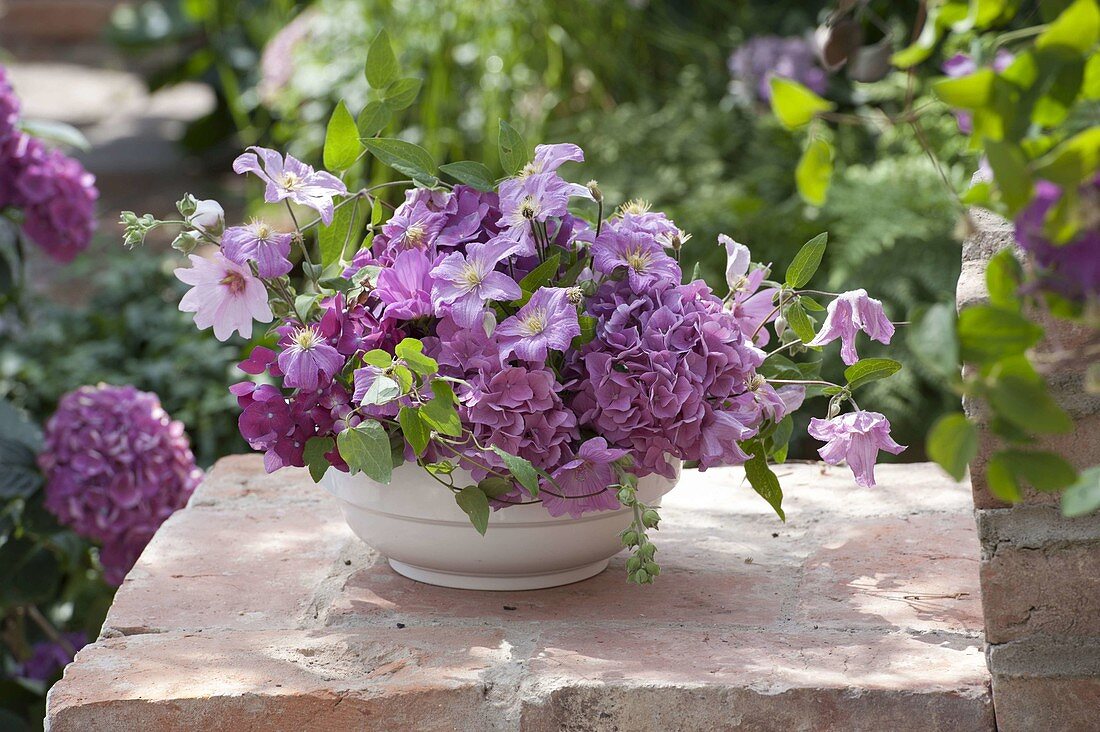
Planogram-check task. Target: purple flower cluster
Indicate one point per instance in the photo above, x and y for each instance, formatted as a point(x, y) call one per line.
point(54, 192)
point(48, 657)
point(755, 62)
point(1071, 269)
point(116, 467)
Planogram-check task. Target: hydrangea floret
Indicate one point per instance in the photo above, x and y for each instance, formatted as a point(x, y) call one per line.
point(514, 341)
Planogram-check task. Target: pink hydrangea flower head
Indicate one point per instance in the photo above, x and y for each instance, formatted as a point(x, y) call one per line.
point(848, 314)
point(548, 321)
point(855, 437)
point(224, 295)
point(257, 241)
point(307, 360)
point(642, 257)
point(465, 282)
point(290, 179)
point(405, 287)
point(116, 467)
point(584, 483)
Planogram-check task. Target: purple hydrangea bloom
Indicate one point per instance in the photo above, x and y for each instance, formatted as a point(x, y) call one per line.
point(855, 437)
point(461, 351)
point(405, 287)
point(849, 313)
point(668, 374)
point(644, 259)
point(465, 282)
point(753, 65)
point(116, 467)
point(1071, 269)
point(290, 179)
point(548, 321)
point(9, 107)
point(49, 657)
point(308, 360)
point(584, 481)
point(269, 249)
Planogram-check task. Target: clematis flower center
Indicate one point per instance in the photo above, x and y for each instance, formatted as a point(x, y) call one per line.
point(470, 277)
point(415, 234)
point(306, 338)
point(534, 322)
point(635, 206)
point(234, 282)
point(263, 231)
point(289, 180)
point(637, 259)
point(529, 209)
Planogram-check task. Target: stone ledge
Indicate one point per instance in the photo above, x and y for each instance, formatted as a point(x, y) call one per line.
point(255, 606)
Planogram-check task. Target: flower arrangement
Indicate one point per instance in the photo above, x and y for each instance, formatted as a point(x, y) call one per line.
point(510, 329)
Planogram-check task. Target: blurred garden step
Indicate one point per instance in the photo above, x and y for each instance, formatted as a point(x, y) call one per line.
point(256, 608)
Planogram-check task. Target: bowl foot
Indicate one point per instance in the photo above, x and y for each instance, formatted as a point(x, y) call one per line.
point(510, 582)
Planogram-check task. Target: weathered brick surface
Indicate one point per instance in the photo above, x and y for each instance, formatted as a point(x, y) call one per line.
point(255, 608)
point(1050, 704)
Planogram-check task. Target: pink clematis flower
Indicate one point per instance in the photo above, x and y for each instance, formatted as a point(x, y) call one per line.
point(851, 312)
point(583, 483)
point(751, 308)
point(855, 437)
point(291, 179)
point(467, 281)
point(223, 294)
point(548, 320)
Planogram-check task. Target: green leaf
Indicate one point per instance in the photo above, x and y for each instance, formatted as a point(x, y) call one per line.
point(471, 173)
point(57, 133)
point(29, 573)
point(405, 157)
point(922, 47)
point(541, 275)
point(870, 369)
point(1083, 497)
point(1010, 173)
point(807, 261)
point(373, 119)
point(414, 429)
point(588, 329)
point(1002, 279)
point(988, 334)
point(402, 93)
point(19, 475)
point(1073, 161)
point(366, 448)
point(333, 239)
point(814, 171)
point(794, 104)
point(781, 439)
point(953, 443)
point(440, 413)
point(379, 358)
point(1019, 395)
point(1009, 470)
point(412, 351)
point(382, 67)
point(968, 92)
point(382, 390)
point(932, 338)
point(342, 146)
point(1075, 31)
point(494, 486)
point(511, 148)
point(800, 322)
point(522, 470)
point(762, 479)
point(475, 504)
point(314, 456)
point(1001, 480)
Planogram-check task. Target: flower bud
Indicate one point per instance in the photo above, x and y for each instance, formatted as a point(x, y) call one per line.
point(780, 326)
point(646, 551)
point(594, 189)
point(208, 217)
point(633, 564)
point(185, 242)
point(650, 518)
point(626, 496)
point(630, 538)
point(652, 568)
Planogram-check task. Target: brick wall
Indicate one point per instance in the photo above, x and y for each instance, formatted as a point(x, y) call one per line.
point(1040, 572)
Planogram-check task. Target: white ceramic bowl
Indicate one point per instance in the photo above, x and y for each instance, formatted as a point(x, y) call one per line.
point(416, 524)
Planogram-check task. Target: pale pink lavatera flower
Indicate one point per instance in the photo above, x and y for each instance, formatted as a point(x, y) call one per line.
point(224, 295)
point(851, 312)
point(856, 438)
point(291, 179)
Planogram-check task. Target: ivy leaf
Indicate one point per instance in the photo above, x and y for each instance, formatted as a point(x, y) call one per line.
point(814, 171)
point(494, 486)
point(762, 479)
point(588, 330)
point(314, 456)
point(440, 413)
point(952, 443)
point(342, 146)
point(511, 148)
point(382, 390)
point(1074, 160)
point(366, 448)
point(794, 104)
point(378, 357)
point(473, 174)
point(805, 263)
point(404, 157)
point(59, 133)
point(412, 352)
point(521, 469)
point(988, 334)
point(373, 119)
point(1083, 497)
point(382, 67)
point(414, 429)
point(870, 369)
point(473, 501)
point(1009, 470)
point(402, 93)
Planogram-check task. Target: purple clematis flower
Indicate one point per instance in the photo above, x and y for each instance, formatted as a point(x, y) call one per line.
point(223, 294)
point(269, 249)
point(406, 287)
point(536, 197)
point(855, 437)
point(413, 226)
point(548, 320)
point(647, 265)
point(851, 312)
point(308, 361)
point(467, 281)
point(583, 483)
point(291, 179)
point(751, 308)
point(548, 158)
